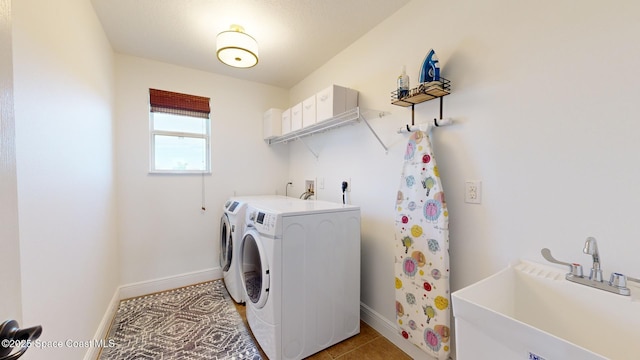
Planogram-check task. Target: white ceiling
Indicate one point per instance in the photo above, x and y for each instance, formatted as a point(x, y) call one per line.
point(295, 37)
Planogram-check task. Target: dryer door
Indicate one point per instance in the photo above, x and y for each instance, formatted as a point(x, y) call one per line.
point(226, 245)
point(255, 269)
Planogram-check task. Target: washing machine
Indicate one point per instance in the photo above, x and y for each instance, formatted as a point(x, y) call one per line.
point(300, 264)
point(231, 231)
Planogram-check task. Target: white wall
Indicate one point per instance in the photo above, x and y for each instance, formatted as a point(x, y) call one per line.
point(10, 307)
point(162, 230)
point(63, 77)
point(544, 95)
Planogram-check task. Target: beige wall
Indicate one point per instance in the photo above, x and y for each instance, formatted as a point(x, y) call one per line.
point(63, 77)
point(10, 307)
point(544, 97)
point(162, 229)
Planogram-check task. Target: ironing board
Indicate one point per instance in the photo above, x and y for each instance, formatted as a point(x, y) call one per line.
point(422, 252)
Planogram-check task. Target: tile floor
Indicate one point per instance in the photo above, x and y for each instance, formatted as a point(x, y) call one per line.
point(369, 344)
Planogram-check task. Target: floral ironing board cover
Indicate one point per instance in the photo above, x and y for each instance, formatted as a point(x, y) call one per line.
point(422, 252)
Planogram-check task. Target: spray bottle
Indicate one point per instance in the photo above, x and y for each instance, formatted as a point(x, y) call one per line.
point(403, 84)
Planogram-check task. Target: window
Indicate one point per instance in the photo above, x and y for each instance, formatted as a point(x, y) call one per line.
point(180, 133)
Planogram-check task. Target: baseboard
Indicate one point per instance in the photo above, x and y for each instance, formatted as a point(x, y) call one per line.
point(388, 329)
point(144, 288)
point(168, 283)
point(93, 351)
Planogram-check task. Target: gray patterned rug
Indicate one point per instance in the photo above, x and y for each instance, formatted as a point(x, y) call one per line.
point(191, 323)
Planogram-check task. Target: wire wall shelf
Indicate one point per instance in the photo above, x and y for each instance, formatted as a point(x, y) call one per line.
point(345, 118)
point(348, 117)
point(423, 92)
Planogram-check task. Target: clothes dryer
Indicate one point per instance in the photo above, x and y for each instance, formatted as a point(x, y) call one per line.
point(300, 265)
point(231, 230)
point(232, 225)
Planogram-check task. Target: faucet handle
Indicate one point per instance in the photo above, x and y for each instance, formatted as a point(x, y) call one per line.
point(618, 280)
point(576, 270)
point(546, 253)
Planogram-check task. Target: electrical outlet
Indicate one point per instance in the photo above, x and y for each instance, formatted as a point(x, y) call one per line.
point(473, 192)
point(348, 181)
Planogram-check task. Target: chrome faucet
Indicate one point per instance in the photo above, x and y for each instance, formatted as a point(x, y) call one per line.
point(591, 248)
point(617, 284)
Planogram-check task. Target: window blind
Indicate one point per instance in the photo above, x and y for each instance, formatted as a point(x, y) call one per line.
point(179, 104)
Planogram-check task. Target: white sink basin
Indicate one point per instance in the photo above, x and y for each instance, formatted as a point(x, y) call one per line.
point(529, 310)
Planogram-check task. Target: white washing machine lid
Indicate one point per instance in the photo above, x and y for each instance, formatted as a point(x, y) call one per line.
point(294, 206)
point(255, 277)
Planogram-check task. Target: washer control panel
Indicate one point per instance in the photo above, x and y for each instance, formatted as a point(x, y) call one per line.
point(263, 221)
point(233, 207)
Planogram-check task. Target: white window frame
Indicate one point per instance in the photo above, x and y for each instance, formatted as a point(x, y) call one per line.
point(152, 147)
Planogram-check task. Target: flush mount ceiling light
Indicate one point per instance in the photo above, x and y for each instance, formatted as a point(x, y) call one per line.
point(236, 48)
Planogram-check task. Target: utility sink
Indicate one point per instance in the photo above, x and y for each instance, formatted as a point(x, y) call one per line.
point(530, 311)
